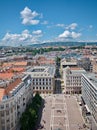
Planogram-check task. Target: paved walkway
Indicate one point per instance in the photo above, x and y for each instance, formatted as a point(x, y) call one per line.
point(62, 112)
point(59, 114)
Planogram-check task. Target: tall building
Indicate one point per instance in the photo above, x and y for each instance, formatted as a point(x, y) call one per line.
point(72, 80)
point(89, 92)
point(43, 79)
point(84, 63)
point(15, 94)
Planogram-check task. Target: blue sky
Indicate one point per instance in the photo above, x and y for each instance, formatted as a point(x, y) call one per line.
point(34, 21)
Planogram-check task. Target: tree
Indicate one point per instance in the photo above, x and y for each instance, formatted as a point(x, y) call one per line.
point(58, 59)
point(29, 117)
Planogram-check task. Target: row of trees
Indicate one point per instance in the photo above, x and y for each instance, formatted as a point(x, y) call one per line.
point(29, 118)
point(42, 50)
point(58, 59)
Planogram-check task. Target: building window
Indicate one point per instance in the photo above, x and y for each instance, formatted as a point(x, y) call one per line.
point(46, 83)
point(11, 110)
point(12, 124)
point(7, 105)
point(2, 113)
point(2, 121)
point(7, 112)
point(2, 106)
point(24, 104)
point(11, 117)
point(8, 127)
point(49, 79)
point(3, 127)
point(7, 120)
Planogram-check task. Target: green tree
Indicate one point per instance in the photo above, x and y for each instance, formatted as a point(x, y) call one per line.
point(29, 117)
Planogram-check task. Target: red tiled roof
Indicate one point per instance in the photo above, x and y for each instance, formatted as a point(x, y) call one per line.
point(16, 69)
point(10, 87)
point(22, 63)
point(47, 61)
point(6, 75)
point(2, 93)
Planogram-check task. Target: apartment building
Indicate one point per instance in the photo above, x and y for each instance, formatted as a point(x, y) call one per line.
point(71, 62)
point(15, 94)
point(43, 80)
point(85, 63)
point(89, 92)
point(94, 65)
point(72, 80)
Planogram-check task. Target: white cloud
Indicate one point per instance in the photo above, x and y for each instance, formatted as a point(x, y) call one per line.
point(29, 16)
point(75, 35)
point(65, 34)
point(60, 25)
point(72, 26)
point(24, 38)
point(69, 35)
point(37, 32)
point(44, 22)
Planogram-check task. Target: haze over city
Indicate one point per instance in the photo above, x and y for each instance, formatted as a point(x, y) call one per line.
point(33, 21)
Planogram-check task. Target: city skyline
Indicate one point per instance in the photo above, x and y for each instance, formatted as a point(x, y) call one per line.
point(29, 22)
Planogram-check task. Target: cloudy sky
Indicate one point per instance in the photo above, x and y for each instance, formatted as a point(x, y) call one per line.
point(35, 21)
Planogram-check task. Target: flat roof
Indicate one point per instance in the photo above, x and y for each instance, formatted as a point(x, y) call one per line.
point(41, 71)
point(77, 70)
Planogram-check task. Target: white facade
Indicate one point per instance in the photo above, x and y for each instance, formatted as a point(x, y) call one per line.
point(89, 93)
point(43, 80)
point(68, 62)
point(72, 80)
point(14, 104)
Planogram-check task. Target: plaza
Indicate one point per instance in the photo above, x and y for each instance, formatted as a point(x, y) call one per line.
point(61, 112)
